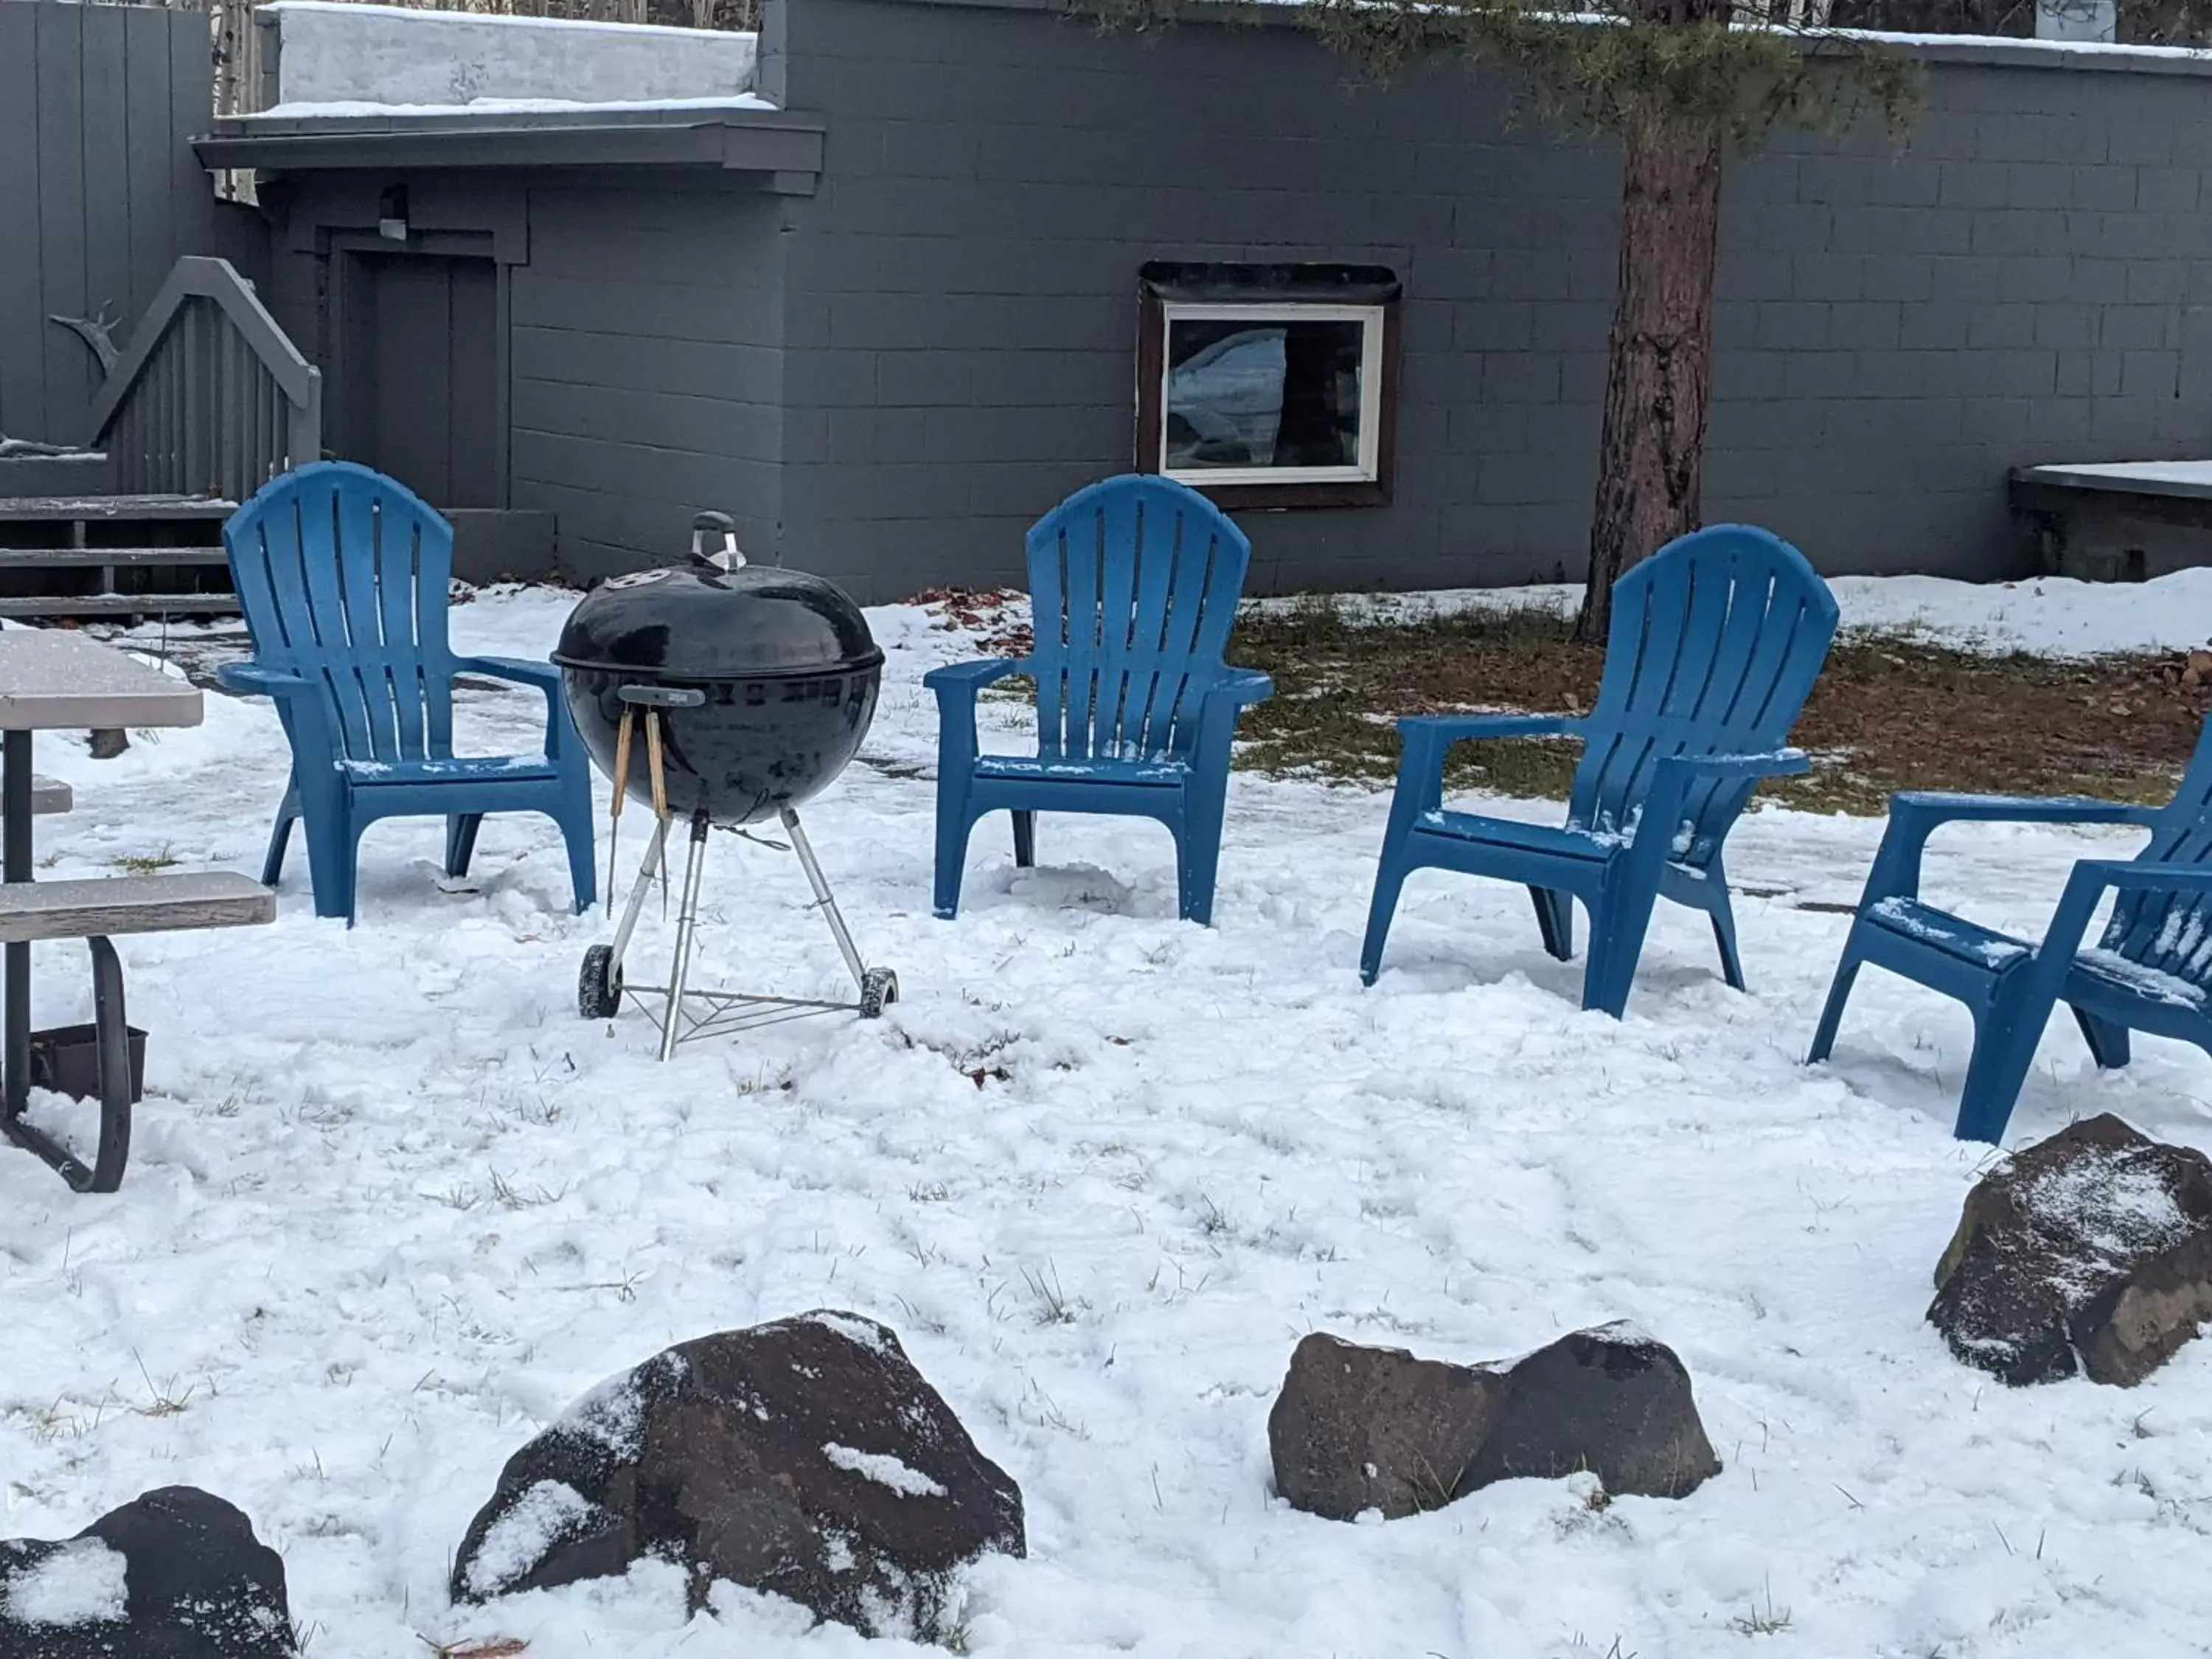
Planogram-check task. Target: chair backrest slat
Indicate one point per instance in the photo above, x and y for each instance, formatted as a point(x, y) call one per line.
point(1716, 639)
point(1134, 584)
point(2171, 932)
point(344, 574)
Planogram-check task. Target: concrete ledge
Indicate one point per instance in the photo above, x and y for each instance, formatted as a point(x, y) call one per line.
point(737, 140)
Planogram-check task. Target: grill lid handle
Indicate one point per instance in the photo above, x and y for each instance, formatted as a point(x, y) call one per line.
point(715, 524)
point(662, 697)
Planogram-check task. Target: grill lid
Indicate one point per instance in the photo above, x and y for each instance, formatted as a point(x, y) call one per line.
point(704, 622)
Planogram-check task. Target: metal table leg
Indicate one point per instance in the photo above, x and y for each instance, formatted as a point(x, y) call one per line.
point(15, 859)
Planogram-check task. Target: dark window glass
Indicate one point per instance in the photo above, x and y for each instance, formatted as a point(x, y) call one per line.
point(1260, 393)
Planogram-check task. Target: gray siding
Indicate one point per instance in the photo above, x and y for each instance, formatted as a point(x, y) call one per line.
point(644, 358)
point(2028, 279)
point(100, 194)
point(647, 369)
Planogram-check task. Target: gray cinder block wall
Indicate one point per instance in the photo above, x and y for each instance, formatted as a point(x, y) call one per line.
point(2028, 279)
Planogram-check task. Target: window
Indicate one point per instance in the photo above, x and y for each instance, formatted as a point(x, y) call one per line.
point(1269, 385)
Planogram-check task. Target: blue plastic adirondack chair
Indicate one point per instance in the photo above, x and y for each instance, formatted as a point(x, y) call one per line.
point(2151, 970)
point(1133, 585)
point(1716, 642)
point(343, 575)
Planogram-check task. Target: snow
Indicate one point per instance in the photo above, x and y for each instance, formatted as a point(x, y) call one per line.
point(2047, 615)
point(2180, 472)
point(393, 1206)
point(311, 109)
point(853, 1330)
point(83, 1582)
point(884, 1470)
point(346, 10)
point(518, 1540)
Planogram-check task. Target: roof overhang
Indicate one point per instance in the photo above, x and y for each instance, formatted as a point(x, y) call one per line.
point(783, 147)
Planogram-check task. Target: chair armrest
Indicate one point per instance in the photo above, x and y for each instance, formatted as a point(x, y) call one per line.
point(543, 677)
point(1458, 728)
point(2127, 874)
point(1241, 687)
point(1776, 763)
point(956, 684)
point(520, 670)
point(972, 677)
point(1659, 824)
point(1935, 808)
point(1915, 815)
point(252, 680)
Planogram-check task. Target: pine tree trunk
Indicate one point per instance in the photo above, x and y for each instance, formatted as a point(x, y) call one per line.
point(1659, 379)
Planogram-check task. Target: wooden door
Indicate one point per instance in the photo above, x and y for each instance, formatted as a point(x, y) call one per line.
point(420, 398)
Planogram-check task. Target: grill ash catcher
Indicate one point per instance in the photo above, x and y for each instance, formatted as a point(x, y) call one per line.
point(718, 695)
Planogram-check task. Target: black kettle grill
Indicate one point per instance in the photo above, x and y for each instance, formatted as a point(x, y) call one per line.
point(725, 693)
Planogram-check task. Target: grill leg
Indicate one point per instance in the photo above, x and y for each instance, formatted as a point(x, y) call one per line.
point(687, 915)
point(824, 897)
point(655, 855)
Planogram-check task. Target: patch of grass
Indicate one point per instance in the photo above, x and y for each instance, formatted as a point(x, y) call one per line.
point(1890, 711)
point(148, 863)
point(1769, 1620)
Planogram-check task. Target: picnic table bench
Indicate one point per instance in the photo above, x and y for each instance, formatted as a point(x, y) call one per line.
point(49, 681)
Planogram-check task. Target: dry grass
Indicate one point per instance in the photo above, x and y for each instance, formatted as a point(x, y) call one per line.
point(1889, 713)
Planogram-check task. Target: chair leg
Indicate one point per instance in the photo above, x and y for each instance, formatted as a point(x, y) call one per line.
point(2003, 1048)
point(1198, 859)
point(953, 825)
point(461, 841)
point(1617, 928)
point(1832, 1012)
point(1724, 915)
point(2108, 1044)
point(332, 841)
point(280, 836)
point(1555, 920)
point(1389, 881)
point(1025, 840)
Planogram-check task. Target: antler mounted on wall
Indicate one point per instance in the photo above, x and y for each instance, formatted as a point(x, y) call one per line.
point(97, 331)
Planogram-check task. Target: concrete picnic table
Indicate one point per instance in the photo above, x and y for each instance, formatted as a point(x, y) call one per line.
point(54, 680)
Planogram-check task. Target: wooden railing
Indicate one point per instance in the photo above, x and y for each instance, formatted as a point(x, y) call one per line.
point(209, 396)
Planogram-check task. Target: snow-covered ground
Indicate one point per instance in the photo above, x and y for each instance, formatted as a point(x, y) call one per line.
point(2046, 615)
point(393, 1205)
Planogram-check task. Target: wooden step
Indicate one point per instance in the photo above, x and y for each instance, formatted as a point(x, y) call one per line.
point(120, 605)
point(64, 509)
point(33, 558)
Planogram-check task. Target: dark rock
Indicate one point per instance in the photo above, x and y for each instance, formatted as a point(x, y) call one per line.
point(806, 1457)
point(1358, 1428)
point(175, 1574)
point(2088, 1252)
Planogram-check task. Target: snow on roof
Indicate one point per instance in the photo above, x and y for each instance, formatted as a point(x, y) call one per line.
point(347, 7)
point(314, 110)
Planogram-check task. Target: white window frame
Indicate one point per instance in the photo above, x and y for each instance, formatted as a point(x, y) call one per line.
point(1287, 312)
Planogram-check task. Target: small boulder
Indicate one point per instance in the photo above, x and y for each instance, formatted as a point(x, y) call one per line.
point(2089, 1252)
point(1358, 1428)
point(175, 1574)
point(807, 1457)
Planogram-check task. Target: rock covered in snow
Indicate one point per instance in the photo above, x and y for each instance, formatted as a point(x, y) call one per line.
point(807, 1457)
point(175, 1574)
point(1357, 1429)
point(2090, 1251)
